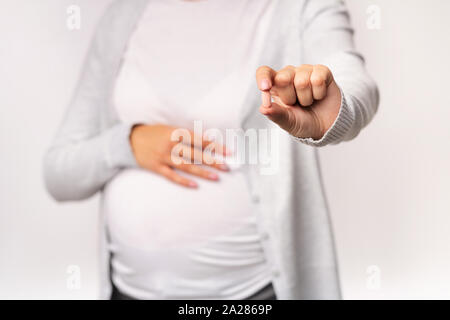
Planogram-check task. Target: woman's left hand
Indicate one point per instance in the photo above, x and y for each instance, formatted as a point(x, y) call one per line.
point(306, 99)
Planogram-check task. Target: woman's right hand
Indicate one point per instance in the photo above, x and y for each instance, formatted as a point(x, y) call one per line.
point(153, 147)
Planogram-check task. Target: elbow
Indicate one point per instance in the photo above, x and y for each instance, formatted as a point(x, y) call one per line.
point(56, 185)
point(60, 183)
point(62, 190)
point(57, 189)
point(51, 181)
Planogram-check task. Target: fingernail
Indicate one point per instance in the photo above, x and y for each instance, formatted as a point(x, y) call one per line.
point(192, 184)
point(224, 167)
point(264, 85)
point(213, 176)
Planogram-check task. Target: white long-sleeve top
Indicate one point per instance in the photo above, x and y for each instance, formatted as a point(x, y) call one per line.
point(92, 144)
point(185, 63)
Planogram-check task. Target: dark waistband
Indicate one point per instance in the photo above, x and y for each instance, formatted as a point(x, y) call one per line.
point(266, 293)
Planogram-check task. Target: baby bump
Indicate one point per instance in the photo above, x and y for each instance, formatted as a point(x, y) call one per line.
point(146, 211)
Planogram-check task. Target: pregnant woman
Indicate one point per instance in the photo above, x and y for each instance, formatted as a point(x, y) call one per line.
point(211, 229)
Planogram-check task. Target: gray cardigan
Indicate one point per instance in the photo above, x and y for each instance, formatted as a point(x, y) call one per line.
point(92, 145)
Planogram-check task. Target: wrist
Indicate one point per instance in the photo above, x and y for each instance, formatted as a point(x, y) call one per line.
point(329, 118)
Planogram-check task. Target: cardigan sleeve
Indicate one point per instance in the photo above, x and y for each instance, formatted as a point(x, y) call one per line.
point(86, 152)
point(327, 39)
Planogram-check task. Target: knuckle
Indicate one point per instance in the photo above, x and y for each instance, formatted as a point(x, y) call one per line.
point(282, 78)
point(304, 67)
point(290, 66)
point(317, 80)
point(196, 170)
point(262, 69)
point(301, 82)
point(322, 68)
point(205, 174)
point(171, 175)
point(178, 179)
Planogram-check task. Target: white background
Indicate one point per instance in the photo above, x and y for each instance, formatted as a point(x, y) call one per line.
point(388, 190)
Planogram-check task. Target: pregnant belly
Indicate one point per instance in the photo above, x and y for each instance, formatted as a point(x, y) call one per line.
point(147, 212)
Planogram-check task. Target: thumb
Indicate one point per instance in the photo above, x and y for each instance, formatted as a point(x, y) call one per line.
point(278, 114)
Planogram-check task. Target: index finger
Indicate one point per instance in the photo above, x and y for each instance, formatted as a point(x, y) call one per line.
point(264, 78)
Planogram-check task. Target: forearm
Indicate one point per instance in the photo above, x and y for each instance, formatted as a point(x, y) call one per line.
point(327, 38)
point(75, 170)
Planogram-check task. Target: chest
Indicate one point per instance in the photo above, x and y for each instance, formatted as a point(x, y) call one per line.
point(188, 62)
